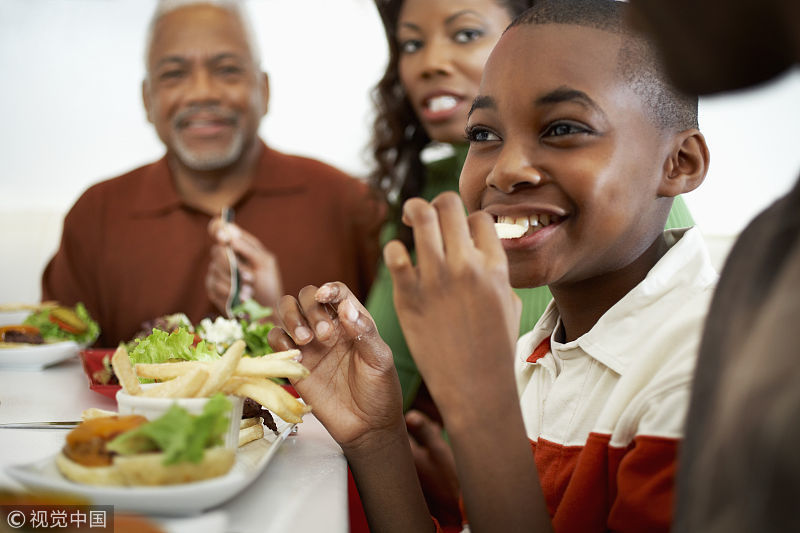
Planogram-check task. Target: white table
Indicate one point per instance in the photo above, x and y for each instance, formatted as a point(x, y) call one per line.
point(303, 488)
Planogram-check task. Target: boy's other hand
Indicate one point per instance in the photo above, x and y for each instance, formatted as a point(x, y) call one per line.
point(436, 468)
point(456, 307)
point(352, 387)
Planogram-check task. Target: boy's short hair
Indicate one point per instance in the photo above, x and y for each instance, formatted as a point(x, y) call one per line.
point(639, 63)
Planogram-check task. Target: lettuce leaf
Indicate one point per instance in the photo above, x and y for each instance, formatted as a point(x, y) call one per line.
point(181, 436)
point(51, 332)
point(251, 311)
point(160, 347)
point(255, 336)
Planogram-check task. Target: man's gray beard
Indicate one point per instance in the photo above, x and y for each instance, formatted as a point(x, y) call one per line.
point(210, 160)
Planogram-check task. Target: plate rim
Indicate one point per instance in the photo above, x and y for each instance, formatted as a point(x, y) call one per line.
point(181, 500)
point(22, 360)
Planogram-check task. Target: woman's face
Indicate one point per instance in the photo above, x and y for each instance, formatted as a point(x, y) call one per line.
point(443, 46)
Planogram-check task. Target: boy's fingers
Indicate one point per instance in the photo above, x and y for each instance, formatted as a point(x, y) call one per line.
point(279, 340)
point(316, 313)
point(426, 433)
point(453, 223)
point(332, 293)
point(481, 226)
point(424, 222)
point(359, 326)
point(398, 262)
point(294, 323)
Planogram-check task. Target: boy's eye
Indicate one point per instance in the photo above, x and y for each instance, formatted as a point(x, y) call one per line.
point(559, 129)
point(467, 35)
point(409, 46)
point(477, 135)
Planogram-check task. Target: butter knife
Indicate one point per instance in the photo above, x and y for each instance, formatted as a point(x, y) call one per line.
point(63, 424)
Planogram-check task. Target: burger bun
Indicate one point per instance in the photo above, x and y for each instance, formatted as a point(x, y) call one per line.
point(148, 469)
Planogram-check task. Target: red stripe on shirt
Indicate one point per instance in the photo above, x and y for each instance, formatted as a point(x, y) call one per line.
point(540, 351)
point(598, 487)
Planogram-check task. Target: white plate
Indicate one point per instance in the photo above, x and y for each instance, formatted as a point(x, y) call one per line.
point(173, 500)
point(8, 318)
point(37, 356)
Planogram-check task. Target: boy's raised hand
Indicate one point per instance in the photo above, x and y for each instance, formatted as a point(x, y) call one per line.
point(456, 307)
point(352, 386)
point(460, 319)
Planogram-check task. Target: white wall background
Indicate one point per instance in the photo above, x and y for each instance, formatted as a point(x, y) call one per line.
point(71, 114)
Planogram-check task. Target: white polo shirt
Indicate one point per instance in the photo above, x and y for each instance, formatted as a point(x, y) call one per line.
point(605, 412)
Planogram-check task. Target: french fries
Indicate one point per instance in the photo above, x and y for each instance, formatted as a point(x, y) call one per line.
point(124, 371)
point(185, 386)
point(94, 412)
point(222, 369)
point(278, 365)
point(270, 395)
point(248, 422)
point(250, 433)
point(248, 377)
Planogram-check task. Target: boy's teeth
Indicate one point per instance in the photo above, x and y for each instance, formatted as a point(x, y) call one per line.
point(442, 103)
point(505, 225)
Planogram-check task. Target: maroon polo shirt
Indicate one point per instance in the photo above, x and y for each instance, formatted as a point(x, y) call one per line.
point(131, 250)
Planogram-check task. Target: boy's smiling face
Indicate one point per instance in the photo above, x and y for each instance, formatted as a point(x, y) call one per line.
point(558, 138)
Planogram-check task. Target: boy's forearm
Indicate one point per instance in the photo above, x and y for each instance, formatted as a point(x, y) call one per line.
point(388, 485)
point(499, 481)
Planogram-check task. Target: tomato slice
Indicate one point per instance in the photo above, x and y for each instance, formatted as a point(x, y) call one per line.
point(63, 325)
point(67, 320)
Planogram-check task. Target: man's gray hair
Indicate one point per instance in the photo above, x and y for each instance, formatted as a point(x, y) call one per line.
point(235, 7)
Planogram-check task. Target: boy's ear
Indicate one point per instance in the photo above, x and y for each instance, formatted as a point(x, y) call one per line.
point(686, 165)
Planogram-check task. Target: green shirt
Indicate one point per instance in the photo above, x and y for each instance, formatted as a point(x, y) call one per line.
point(443, 176)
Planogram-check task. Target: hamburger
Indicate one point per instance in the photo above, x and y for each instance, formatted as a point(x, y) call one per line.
point(49, 323)
point(131, 451)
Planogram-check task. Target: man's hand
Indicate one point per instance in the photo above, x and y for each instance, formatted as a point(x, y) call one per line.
point(258, 267)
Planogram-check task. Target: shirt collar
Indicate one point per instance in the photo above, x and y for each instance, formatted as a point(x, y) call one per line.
point(157, 193)
point(685, 270)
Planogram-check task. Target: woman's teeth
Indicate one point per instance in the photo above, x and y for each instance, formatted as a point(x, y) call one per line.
point(441, 103)
point(515, 227)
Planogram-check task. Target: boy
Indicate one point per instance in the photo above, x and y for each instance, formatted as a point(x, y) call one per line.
point(576, 138)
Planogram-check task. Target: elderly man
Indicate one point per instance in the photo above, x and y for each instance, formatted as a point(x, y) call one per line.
point(151, 242)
